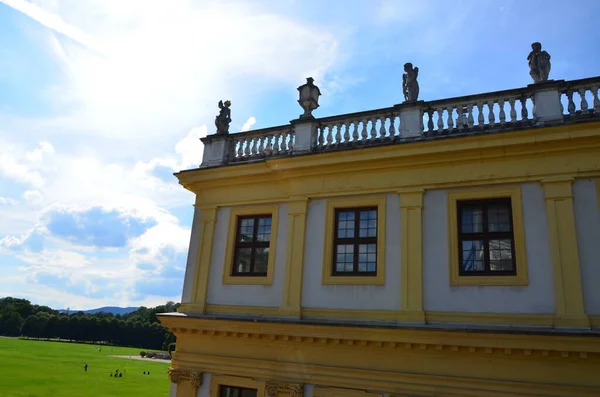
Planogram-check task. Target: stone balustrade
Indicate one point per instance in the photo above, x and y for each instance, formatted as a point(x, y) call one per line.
point(357, 129)
point(485, 112)
point(547, 103)
point(277, 141)
point(580, 97)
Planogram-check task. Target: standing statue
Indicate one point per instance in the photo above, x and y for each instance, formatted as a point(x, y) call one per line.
point(224, 118)
point(539, 63)
point(410, 86)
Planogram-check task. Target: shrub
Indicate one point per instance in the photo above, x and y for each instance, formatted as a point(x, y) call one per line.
point(171, 347)
point(143, 354)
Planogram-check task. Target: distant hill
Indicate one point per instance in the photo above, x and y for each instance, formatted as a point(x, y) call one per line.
point(105, 309)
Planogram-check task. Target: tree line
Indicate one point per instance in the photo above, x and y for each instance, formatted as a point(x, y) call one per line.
point(141, 328)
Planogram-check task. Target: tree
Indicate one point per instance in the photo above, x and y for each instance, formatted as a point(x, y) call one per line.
point(21, 306)
point(32, 327)
point(62, 327)
point(43, 309)
point(11, 324)
point(141, 328)
point(52, 327)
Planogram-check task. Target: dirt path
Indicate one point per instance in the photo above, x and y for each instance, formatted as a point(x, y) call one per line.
point(158, 360)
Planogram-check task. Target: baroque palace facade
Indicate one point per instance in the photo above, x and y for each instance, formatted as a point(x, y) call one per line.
point(441, 248)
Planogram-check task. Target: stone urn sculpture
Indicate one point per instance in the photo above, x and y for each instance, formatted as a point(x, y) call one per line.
point(309, 97)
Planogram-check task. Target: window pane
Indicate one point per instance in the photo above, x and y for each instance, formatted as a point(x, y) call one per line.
point(264, 229)
point(229, 391)
point(471, 219)
point(501, 255)
point(368, 223)
point(345, 224)
point(344, 258)
point(499, 218)
point(261, 260)
point(473, 256)
point(248, 393)
point(243, 258)
point(246, 230)
point(367, 257)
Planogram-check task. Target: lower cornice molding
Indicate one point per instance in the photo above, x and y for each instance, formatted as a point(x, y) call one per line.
point(427, 317)
point(572, 321)
point(483, 343)
point(398, 384)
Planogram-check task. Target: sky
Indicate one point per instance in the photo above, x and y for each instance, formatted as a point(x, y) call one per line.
point(102, 100)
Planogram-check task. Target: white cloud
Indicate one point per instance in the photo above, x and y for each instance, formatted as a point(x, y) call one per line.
point(190, 148)
point(33, 196)
point(37, 154)
point(155, 72)
point(8, 201)
point(52, 21)
point(21, 166)
point(248, 124)
point(81, 270)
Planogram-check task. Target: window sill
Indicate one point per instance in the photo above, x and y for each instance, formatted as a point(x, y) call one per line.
point(248, 280)
point(491, 281)
point(354, 280)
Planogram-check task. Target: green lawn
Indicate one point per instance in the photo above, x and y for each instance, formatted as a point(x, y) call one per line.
point(30, 368)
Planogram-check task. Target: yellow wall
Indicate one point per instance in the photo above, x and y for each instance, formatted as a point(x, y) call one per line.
point(550, 156)
point(400, 361)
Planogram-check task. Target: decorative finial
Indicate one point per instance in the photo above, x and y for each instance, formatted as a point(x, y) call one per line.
point(410, 85)
point(539, 63)
point(223, 118)
point(309, 97)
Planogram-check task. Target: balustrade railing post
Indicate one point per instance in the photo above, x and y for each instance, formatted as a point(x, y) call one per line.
point(304, 129)
point(546, 98)
point(411, 119)
point(216, 150)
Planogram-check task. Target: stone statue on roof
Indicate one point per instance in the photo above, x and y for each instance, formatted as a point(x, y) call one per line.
point(539, 63)
point(223, 118)
point(410, 86)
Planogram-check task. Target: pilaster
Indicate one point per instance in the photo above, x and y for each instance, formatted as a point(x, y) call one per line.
point(411, 246)
point(565, 254)
point(188, 382)
point(292, 291)
point(278, 389)
point(208, 217)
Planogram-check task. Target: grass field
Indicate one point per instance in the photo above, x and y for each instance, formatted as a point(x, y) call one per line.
point(30, 368)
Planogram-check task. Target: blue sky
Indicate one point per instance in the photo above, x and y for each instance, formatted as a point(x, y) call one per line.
point(101, 100)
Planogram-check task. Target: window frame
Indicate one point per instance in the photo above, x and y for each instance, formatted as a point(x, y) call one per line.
point(330, 277)
point(216, 381)
point(485, 236)
point(220, 389)
point(253, 245)
point(229, 277)
point(457, 278)
point(354, 241)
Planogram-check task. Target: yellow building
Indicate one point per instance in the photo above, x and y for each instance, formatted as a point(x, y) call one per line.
point(443, 248)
